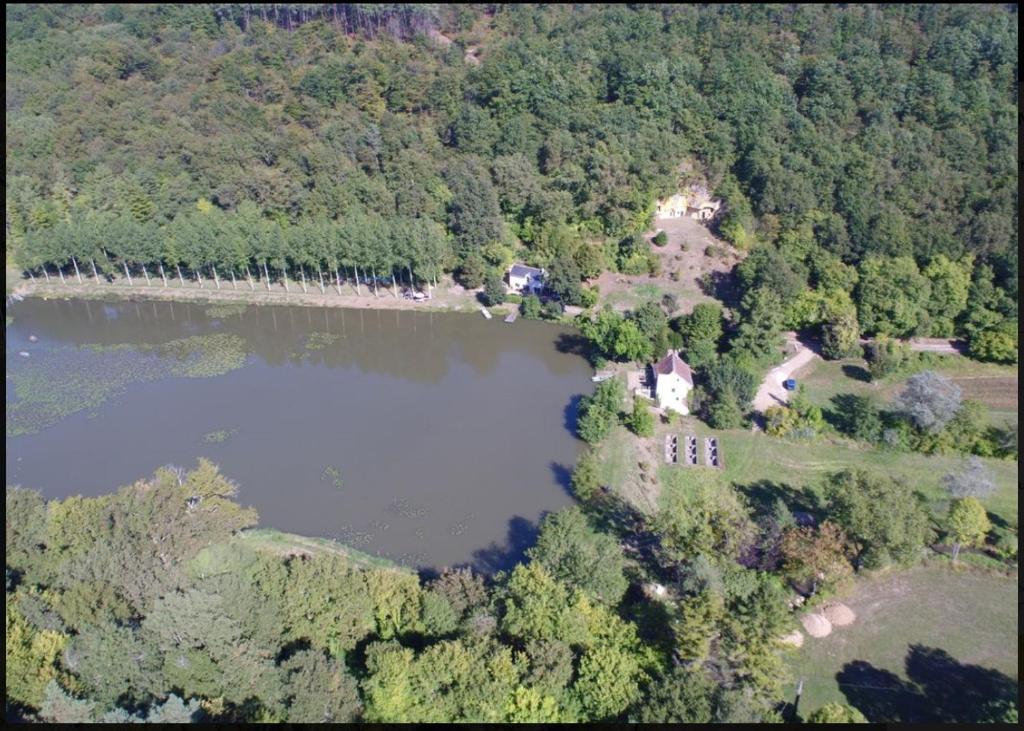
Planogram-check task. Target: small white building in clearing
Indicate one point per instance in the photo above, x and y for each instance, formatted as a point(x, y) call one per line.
point(673, 381)
point(525, 280)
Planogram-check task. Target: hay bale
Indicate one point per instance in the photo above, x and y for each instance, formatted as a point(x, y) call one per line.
point(793, 639)
point(838, 614)
point(816, 625)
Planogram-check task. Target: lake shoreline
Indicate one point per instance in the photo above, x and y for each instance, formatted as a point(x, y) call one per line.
point(446, 301)
point(329, 418)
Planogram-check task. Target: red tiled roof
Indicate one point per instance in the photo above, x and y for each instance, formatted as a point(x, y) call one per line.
point(672, 363)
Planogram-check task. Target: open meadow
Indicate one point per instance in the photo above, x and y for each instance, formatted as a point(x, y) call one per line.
point(928, 644)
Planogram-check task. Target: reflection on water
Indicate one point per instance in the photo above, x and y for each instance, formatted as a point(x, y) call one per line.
point(438, 431)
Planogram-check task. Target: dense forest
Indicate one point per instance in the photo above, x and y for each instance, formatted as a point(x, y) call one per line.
point(866, 155)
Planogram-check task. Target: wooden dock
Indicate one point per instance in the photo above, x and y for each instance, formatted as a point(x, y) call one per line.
point(512, 316)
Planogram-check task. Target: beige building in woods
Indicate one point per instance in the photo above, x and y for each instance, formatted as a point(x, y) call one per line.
point(695, 202)
point(673, 381)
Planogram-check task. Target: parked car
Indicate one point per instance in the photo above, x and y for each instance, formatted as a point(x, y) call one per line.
point(789, 384)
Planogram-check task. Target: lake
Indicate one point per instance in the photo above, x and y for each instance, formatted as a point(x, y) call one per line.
point(430, 439)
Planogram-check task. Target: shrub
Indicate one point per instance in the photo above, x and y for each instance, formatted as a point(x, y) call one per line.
point(588, 297)
point(1005, 543)
point(494, 289)
point(999, 345)
point(640, 422)
point(472, 271)
point(725, 412)
point(660, 239)
point(531, 307)
point(553, 309)
point(653, 264)
point(585, 480)
point(887, 519)
point(780, 420)
point(836, 713)
point(884, 356)
point(599, 412)
point(929, 401)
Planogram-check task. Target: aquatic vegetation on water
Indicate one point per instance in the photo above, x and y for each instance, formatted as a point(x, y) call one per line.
point(64, 380)
point(220, 436)
point(405, 509)
point(320, 340)
point(110, 347)
point(202, 356)
point(334, 474)
point(225, 310)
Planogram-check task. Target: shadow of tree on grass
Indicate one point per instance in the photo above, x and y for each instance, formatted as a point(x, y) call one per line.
point(763, 494)
point(857, 373)
point(939, 689)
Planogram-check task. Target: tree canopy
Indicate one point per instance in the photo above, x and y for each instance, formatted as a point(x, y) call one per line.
point(322, 136)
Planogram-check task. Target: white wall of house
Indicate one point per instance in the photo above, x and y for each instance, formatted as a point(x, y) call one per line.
point(671, 391)
point(527, 284)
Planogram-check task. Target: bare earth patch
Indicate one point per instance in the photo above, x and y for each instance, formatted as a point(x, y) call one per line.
point(996, 392)
point(683, 255)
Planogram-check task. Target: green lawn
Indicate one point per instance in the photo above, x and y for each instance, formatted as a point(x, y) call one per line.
point(752, 458)
point(617, 457)
point(970, 615)
point(269, 539)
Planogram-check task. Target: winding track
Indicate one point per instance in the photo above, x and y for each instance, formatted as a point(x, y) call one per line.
point(771, 393)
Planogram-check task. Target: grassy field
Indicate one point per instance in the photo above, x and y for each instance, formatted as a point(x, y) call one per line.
point(764, 467)
point(970, 615)
point(782, 465)
point(268, 539)
point(992, 384)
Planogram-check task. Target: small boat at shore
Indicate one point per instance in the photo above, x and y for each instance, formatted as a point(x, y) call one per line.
point(486, 313)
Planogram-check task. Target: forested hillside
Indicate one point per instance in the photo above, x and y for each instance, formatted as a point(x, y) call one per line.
point(869, 154)
point(866, 157)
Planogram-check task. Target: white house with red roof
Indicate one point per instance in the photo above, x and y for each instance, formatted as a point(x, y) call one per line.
point(673, 381)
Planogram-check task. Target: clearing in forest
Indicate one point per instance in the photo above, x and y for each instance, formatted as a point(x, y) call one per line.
point(692, 251)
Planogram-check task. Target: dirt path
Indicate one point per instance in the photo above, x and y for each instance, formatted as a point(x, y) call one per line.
point(772, 393)
point(447, 296)
point(931, 345)
point(937, 345)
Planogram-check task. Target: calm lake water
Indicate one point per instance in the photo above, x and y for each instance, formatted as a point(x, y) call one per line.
point(432, 439)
